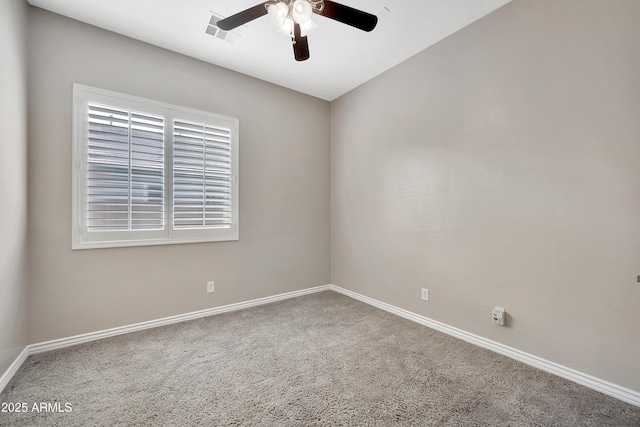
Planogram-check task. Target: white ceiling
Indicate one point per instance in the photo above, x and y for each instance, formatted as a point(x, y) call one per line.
point(342, 57)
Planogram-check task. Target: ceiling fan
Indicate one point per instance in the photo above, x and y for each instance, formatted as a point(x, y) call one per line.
point(293, 18)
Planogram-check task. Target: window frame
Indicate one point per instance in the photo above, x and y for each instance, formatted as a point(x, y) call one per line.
point(84, 239)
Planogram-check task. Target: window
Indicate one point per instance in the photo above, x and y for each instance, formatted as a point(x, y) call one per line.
point(149, 173)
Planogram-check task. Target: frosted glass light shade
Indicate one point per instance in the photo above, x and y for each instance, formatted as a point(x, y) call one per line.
point(278, 13)
point(287, 27)
point(307, 27)
point(301, 11)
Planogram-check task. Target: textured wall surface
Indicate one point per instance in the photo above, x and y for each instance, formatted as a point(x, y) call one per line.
point(500, 167)
point(284, 187)
point(13, 180)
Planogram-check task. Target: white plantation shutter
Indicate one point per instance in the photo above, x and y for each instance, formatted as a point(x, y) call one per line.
point(125, 170)
point(151, 173)
point(202, 175)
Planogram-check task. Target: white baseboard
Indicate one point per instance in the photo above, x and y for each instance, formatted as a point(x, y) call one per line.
point(13, 368)
point(621, 393)
point(92, 336)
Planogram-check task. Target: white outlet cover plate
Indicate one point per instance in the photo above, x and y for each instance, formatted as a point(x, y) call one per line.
point(498, 315)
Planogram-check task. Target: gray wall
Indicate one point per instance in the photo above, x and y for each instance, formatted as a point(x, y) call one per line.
point(284, 187)
point(13, 180)
point(500, 167)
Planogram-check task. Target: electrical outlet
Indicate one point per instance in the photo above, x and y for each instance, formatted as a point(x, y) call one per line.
point(425, 294)
point(497, 316)
point(210, 286)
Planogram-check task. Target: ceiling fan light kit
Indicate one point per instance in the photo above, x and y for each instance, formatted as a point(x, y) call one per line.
point(294, 19)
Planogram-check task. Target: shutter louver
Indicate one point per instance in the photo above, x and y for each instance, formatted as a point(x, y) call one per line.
point(201, 175)
point(125, 170)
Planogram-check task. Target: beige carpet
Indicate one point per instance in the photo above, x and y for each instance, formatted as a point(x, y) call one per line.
point(322, 359)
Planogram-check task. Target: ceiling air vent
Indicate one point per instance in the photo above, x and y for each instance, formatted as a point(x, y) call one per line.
point(212, 29)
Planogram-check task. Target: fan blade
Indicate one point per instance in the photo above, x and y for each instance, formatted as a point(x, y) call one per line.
point(300, 45)
point(241, 18)
point(350, 16)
